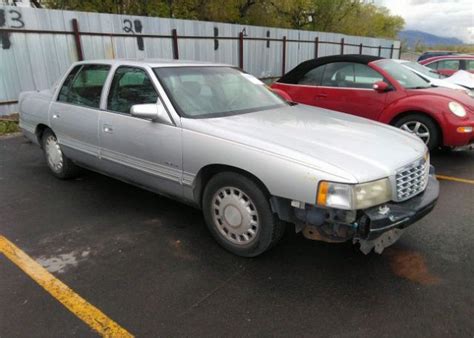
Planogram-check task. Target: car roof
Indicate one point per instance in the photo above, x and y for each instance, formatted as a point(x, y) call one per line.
point(154, 63)
point(448, 57)
point(302, 68)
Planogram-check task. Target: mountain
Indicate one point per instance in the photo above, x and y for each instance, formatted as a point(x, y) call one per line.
point(414, 36)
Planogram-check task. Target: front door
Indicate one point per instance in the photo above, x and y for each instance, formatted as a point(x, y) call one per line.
point(140, 150)
point(347, 87)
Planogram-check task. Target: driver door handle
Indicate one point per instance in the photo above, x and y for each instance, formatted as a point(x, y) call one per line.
point(108, 129)
point(320, 96)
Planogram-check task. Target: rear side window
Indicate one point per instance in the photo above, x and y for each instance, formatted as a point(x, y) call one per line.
point(67, 84)
point(313, 77)
point(85, 88)
point(130, 86)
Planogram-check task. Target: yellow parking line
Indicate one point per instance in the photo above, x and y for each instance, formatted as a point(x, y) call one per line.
point(87, 312)
point(455, 179)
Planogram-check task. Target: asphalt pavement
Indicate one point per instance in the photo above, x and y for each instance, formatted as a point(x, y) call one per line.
point(151, 266)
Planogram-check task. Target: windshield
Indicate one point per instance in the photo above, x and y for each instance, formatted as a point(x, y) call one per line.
point(422, 69)
point(200, 92)
point(403, 75)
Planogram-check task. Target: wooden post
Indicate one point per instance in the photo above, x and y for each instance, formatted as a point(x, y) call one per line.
point(391, 51)
point(360, 48)
point(283, 57)
point(342, 46)
point(77, 39)
point(241, 50)
point(316, 47)
point(380, 50)
point(174, 35)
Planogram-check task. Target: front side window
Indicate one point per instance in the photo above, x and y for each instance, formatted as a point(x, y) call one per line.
point(312, 77)
point(203, 92)
point(365, 77)
point(433, 65)
point(350, 75)
point(86, 86)
point(338, 74)
point(449, 64)
point(130, 86)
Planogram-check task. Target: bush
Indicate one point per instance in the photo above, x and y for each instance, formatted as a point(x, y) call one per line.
point(9, 125)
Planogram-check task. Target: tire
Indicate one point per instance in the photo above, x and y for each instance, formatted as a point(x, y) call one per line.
point(59, 164)
point(239, 216)
point(425, 125)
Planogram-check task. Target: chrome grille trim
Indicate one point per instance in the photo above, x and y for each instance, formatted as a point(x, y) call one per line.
point(411, 180)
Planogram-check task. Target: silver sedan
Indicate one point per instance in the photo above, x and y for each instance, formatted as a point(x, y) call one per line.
point(215, 137)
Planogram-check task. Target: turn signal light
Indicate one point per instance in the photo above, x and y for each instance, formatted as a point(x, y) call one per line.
point(464, 130)
point(323, 193)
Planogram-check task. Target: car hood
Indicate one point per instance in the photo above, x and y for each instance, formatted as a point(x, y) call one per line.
point(462, 78)
point(343, 145)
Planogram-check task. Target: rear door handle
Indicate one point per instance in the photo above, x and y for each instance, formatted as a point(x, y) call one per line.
point(108, 129)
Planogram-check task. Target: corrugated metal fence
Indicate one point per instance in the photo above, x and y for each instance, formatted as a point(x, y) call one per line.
point(37, 45)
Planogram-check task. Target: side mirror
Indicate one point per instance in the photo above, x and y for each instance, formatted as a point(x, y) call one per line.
point(380, 87)
point(151, 111)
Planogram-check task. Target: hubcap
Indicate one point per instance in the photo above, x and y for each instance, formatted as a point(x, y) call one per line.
point(417, 128)
point(53, 153)
point(235, 215)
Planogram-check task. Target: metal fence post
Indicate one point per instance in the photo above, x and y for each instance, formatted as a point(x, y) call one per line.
point(316, 47)
point(77, 39)
point(283, 57)
point(241, 50)
point(391, 51)
point(174, 35)
point(342, 46)
point(360, 48)
point(380, 50)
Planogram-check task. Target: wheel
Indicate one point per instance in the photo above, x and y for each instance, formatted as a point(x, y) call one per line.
point(239, 215)
point(59, 164)
point(421, 126)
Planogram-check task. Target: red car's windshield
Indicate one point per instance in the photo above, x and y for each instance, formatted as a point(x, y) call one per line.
point(405, 77)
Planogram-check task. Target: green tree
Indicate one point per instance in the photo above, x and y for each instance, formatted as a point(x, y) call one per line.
point(341, 16)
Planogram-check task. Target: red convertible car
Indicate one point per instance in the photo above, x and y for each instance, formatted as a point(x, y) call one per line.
point(383, 90)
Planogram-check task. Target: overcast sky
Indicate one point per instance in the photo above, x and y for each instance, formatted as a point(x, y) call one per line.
point(449, 18)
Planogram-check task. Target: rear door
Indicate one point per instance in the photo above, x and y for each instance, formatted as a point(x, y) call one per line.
point(74, 116)
point(136, 149)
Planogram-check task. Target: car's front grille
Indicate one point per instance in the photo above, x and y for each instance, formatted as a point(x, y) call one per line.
point(411, 180)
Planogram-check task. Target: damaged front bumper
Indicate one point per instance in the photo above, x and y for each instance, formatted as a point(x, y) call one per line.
point(373, 229)
point(381, 226)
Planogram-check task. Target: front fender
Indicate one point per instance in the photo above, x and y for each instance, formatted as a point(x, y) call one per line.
point(436, 109)
point(282, 177)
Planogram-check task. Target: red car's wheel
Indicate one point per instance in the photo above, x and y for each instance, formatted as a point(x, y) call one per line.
point(421, 126)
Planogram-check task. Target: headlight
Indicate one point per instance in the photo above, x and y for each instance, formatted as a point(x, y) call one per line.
point(457, 109)
point(354, 196)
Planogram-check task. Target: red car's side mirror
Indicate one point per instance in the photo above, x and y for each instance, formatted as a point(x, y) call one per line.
point(380, 86)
